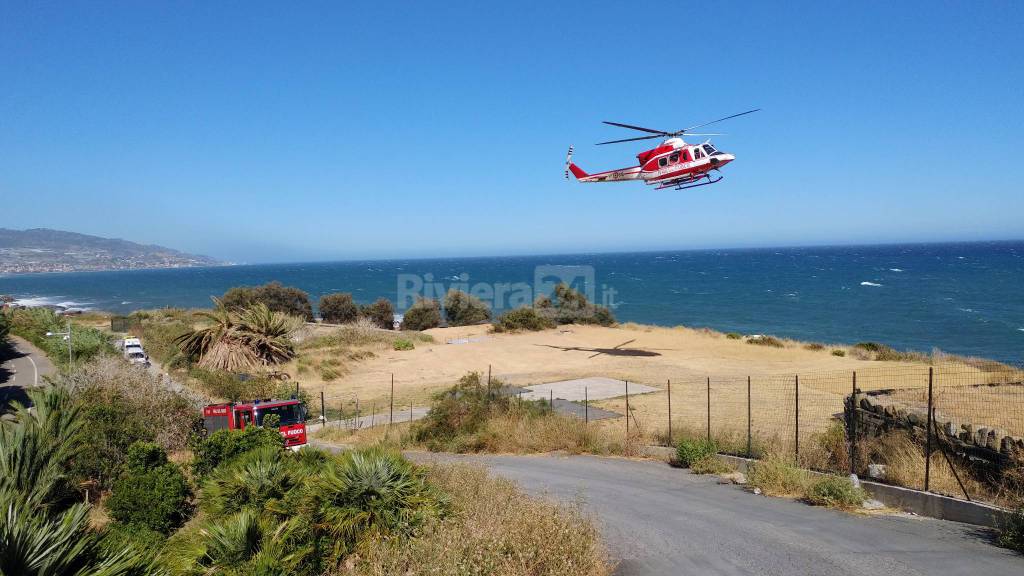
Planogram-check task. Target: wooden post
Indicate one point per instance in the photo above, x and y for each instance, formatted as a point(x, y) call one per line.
point(709, 408)
point(323, 411)
point(669, 412)
point(928, 449)
point(586, 407)
point(853, 426)
point(627, 415)
point(749, 436)
point(391, 416)
point(796, 415)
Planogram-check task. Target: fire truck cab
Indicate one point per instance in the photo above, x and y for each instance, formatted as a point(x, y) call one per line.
point(239, 415)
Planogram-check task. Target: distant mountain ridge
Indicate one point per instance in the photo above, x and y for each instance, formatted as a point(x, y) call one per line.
point(46, 250)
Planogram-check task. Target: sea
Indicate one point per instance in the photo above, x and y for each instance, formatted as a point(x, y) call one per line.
point(962, 298)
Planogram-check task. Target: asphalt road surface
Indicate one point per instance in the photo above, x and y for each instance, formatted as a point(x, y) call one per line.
point(659, 520)
point(22, 366)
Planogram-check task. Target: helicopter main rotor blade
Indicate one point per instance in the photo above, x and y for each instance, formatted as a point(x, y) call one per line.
point(632, 139)
point(640, 128)
point(684, 130)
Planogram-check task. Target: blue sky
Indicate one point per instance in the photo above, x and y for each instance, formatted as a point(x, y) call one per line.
point(286, 131)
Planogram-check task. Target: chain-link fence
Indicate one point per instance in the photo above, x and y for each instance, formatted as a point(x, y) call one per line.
point(956, 430)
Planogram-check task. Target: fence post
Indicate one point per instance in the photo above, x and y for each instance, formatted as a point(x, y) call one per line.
point(391, 412)
point(627, 415)
point(749, 451)
point(488, 380)
point(709, 408)
point(323, 411)
point(928, 449)
point(853, 426)
point(551, 400)
point(796, 413)
point(373, 412)
point(670, 412)
point(586, 407)
point(296, 389)
point(410, 412)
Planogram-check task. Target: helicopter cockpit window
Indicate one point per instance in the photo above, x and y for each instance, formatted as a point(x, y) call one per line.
point(698, 153)
point(709, 149)
point(662, 161)
point(673, 158)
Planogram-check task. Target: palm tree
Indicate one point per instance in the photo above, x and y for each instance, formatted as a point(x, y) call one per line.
point(42, 531)
point(240, 340)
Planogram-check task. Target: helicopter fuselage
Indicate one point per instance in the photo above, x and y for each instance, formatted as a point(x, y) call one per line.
point(671, 163)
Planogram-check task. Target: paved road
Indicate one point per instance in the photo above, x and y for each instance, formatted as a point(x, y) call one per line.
point(22, 366)
point(663, 521)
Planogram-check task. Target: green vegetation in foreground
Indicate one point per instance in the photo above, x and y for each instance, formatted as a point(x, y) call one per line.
point(32, 324)
point(566, 306)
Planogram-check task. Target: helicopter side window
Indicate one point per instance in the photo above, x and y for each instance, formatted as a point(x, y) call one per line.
point(673, 159)
point(686, 155)
point(662, 161)
point(709, 149)
point(697, 153)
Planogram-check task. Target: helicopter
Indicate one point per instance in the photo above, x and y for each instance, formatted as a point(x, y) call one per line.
point(673, 164)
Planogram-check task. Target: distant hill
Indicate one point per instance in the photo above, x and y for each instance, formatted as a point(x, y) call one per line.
point(45, 250)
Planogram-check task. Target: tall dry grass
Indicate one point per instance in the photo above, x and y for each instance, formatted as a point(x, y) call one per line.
point(493, 529)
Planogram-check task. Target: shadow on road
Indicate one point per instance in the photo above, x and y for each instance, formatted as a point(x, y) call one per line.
point(9, 392)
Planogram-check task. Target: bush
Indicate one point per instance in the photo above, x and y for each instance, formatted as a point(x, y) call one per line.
point(766, 341)
point(151, 491)
point(32, 324)
point(258, 479)
point(381, 313)
point(403, 344)
point(423, 315)
point(689, 452)
point(570, 306)
point(734, 336)
point(111, 426)
point(814, 346)
point(462, 309)
point(839, 353)
point(286, 299)
point(871, 346)
point(338, 308)
point(836, 492)
point(522, 318)
point(5, 325)
point(226, 445)
point(1011, 534)
point(777, 476)
point(710, 465)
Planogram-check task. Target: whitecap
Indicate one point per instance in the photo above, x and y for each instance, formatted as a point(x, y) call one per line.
point(1020, 329)
point(895, 270)
point(869, 284)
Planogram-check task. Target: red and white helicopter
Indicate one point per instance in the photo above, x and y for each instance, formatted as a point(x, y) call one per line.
point(673, 164)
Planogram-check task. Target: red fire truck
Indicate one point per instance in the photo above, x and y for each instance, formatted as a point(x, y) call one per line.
point(236, 416)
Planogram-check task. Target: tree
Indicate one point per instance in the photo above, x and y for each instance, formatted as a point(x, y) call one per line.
point(462, 309)
point(423, 315)
point(571, 306)
point(249, 338)
point(381, 313)
point(522, 318)
point(338, 308)
point(151, 491)
point(278, 298)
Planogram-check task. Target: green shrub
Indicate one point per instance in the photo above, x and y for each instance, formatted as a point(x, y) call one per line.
point(423, 315)
point(777, 476)
point(403, 344)
point(835, 492)
point(690, 451)
point(286, 299)
point(814, 346)
point(766, 341)
point(839, 353)
point(734, 336)
point(1011, 533)
point(710, 465)
point(522, 318)
point(570, 306)
point(381, 313)
point(462, 309)
point(259, 479)
point(32, 324)
point(871, 346)
point(151, 491)
point(111, 427)
point(226, 445)
point(5, 325)
point(338, 308)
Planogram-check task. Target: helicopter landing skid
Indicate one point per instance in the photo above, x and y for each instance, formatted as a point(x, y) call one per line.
point(690, 183)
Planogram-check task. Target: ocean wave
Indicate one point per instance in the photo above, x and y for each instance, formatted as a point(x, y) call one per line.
point(865, 283)
point(895, 270)
point(35, 301)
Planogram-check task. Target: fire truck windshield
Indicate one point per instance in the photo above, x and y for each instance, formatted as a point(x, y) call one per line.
point(289, 414)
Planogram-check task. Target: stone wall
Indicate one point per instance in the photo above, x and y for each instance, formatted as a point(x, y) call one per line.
point(877, 412)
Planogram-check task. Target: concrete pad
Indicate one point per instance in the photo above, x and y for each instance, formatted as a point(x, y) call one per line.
point(597, 388)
